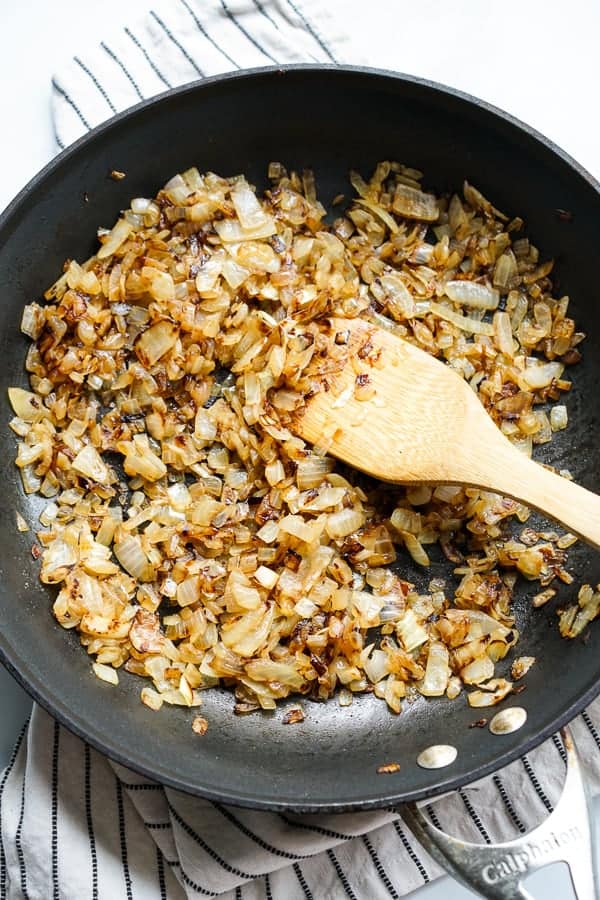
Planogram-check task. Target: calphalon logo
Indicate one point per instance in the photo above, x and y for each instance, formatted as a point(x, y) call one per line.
point(519, 861)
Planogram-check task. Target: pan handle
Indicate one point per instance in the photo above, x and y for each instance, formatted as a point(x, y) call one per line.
point(496, 870)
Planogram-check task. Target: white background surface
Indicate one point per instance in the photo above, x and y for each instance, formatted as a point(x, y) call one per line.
point(539, 60)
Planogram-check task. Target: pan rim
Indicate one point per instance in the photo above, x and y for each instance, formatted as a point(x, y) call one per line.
point(245, 74)
point(75, 723)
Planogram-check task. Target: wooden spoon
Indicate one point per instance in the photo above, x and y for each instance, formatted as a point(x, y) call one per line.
point(425, 425)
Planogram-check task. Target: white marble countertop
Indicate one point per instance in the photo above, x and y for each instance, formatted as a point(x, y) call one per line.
point(537, 59)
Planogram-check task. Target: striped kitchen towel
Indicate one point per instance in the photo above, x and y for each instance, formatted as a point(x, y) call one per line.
point(184, 40)
point(75, 825)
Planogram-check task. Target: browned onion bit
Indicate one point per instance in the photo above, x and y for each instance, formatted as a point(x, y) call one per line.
point(199, 725)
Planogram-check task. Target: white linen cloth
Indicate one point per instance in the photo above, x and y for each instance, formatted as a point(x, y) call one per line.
point(75, 825)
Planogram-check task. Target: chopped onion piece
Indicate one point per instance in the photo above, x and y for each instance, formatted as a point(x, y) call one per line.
point(414, 204)
point(248, 209)
point(128, 551)
point(490, 696)
point(114, 239)
point(22, 525)
point(415, 548)
point(57, 560)
point(26, 405)
point(480, 669)
point(473, 294)
point(411, 631)
point(400, 301)
point(437, 671)
point(33, 321)
point(574, 619)
point(380, 212)
point(558, 418)
point(521, 666)
point(49, 514)
point(151, 698)
point(538, 375)
point(105, 673)
point(231, 231)
point(343, 523)
point(161, 285)
point(90, 464)
point(474, 326)
point(188, 591)
point(271, 670)
point(376, 666)
point(234, 274)
point(246, 634)
point(503, 335)
point(156, 341)
point(266, 577)
point(208, 275)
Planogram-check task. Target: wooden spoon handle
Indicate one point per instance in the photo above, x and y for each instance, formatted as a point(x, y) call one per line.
point(511, 472)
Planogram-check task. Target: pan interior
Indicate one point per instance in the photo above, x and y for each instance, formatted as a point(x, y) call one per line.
point(332, 120)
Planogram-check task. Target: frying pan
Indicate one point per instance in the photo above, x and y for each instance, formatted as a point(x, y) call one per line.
point(333, 120)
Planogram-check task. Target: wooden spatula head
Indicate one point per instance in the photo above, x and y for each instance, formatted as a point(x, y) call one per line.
point(423, 423)
point(392, 410)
